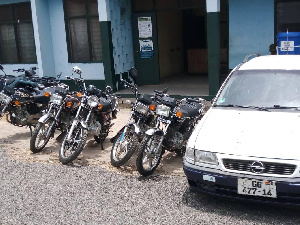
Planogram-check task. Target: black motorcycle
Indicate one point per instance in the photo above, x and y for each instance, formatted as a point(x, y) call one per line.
point(4, 77)
point(141, 118)
point(24, 100)
point(174, 124)
point(61, 110)
point(93, 116)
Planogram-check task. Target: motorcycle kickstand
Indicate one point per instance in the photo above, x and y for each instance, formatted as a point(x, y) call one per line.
point(30, 130)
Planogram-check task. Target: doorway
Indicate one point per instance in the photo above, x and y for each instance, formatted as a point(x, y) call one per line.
point(181, 47)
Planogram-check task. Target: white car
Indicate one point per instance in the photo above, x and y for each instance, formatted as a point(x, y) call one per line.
point(247, 146)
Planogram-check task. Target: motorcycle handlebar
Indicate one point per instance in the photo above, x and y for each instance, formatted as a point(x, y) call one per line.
point(19, 70)
point(161, 93)
point(132, 86)
point(195, 100)
point(75, 79)
point(23, 70)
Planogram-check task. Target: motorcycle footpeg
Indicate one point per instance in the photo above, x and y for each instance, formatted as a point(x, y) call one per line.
point(114, 114)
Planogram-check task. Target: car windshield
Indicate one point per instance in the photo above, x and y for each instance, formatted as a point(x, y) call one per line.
point(262, 88)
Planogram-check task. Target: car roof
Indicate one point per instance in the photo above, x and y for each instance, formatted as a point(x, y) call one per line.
point(273, 62)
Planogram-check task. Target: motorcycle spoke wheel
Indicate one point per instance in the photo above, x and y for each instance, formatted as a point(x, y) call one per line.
point(149, 155)
point(122, 150)
point(40, 136)
point(71, 148)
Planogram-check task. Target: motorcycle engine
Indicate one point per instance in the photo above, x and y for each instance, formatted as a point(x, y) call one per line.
point(21, 117)
point(66, 119)
point(174, 140)
point(95, 127)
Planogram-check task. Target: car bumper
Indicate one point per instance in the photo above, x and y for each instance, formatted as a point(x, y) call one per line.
point(226, 186)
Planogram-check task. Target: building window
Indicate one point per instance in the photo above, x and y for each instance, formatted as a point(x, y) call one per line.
point(16, 34)
point(287, 15)
point(83, 31)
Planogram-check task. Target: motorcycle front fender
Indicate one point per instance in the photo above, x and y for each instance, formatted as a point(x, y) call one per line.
point(133, 126)
point(154, 131)
point(44, 118)
point(119, 132)
point(84, 124)
point(137, 129)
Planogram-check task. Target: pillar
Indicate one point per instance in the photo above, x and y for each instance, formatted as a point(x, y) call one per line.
point(213, 45)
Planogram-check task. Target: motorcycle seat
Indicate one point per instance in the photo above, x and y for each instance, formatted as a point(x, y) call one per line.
point(10, 81)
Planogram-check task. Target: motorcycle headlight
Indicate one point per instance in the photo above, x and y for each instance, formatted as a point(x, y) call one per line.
point(4, 98)
point(141, 108)
point(93, 101)
point(163, 110)
point(57, 99)
point(205, 157)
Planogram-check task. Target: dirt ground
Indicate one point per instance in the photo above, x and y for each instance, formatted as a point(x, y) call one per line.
point(16, 141)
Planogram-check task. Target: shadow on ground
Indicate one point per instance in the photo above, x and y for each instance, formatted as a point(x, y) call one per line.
point(16, 140)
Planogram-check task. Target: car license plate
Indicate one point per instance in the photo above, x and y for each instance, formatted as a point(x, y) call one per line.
point(254, 187)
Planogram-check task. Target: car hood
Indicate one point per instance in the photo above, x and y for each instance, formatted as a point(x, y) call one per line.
point(249, 133)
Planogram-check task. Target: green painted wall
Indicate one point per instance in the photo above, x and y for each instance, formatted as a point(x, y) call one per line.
point(107, 51)
point(100, 84)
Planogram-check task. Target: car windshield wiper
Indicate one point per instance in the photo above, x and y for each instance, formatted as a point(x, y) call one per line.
point(245, 107)
point(284, 107)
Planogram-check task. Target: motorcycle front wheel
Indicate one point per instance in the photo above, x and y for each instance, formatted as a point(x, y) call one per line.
point(123, 147)
point(149, 155)
point(71, 148)
point(41, 136)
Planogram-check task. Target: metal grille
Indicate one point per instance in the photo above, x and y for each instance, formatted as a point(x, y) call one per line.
point(270, 167)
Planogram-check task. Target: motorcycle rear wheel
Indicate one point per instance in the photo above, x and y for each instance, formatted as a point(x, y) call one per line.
point(70, 149)
point(122, 151)
point(39, 138)
point(149, 156)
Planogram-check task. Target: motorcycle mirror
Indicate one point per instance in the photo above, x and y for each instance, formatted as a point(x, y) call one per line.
point(133, 73)
point(76, 70)
point(165, 90)
point(1, 68)
point(108, 89)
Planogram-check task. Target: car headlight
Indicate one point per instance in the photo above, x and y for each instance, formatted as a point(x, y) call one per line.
point(205, 157)
point(190, 154)
point(93, 101)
